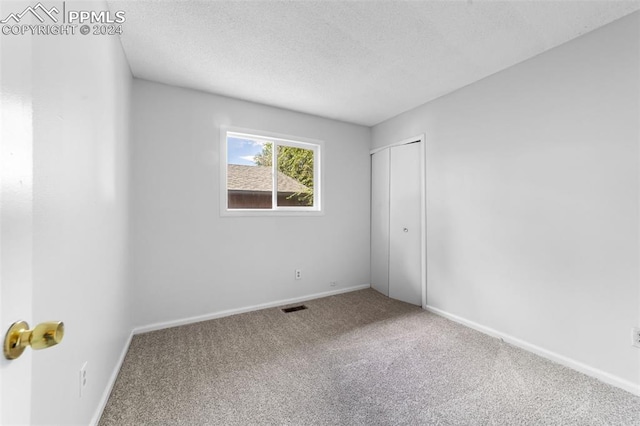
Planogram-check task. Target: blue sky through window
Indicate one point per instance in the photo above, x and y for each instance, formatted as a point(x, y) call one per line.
point(242, 150)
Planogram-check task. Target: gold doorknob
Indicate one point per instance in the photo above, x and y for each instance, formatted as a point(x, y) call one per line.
point(43, 336)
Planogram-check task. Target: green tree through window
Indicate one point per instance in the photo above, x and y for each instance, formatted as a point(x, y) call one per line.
point(297, 163)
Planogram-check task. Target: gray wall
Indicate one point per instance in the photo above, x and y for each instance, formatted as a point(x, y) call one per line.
point(190, 261)
point(81, 108)
point(532, 204)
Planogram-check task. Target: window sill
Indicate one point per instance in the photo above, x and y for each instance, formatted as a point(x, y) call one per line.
point(269, 213)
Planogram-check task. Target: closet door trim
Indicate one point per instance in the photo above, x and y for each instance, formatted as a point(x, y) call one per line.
point(415, 139)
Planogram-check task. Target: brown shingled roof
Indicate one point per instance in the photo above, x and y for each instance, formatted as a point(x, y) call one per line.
point(258, 178)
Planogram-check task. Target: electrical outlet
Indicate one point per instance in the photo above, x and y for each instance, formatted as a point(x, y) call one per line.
point(636, 337)
point(83, 378)
point(333, 284)
point(298, 274)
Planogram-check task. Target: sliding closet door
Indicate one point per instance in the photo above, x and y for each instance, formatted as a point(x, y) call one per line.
point(380, 221)
point(405, 232)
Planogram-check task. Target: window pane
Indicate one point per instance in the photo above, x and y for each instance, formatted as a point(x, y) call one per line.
point(295, 176)
point(249, 173)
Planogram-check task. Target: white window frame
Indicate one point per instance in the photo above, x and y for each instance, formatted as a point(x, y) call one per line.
point(315, 145)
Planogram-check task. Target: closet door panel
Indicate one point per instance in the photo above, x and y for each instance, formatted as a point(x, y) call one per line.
point(380, 221)
point(405, 224)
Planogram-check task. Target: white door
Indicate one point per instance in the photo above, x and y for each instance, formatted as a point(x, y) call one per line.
point(380, 221)
point(405, 233)
point(16, 201)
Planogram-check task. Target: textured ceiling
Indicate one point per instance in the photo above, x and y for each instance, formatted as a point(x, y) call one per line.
point(361, 62)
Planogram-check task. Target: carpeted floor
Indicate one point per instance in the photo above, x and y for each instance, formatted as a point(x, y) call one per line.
point(359, 358)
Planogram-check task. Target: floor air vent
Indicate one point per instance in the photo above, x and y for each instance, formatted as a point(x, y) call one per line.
point(294, 309)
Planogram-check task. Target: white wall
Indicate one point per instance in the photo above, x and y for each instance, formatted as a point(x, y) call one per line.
point(81, 101)
point(188, 260)
point(533, 192)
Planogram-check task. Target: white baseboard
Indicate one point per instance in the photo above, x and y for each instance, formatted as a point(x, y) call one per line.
point(229, 312)
point(111, 382)
point(560, 359)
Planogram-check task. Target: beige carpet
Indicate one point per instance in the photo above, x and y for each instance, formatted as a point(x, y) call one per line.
point(353, 359)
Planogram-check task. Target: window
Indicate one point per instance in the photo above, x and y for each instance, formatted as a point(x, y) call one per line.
point(265, 174)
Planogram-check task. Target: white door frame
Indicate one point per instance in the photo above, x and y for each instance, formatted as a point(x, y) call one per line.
point(423, 205)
